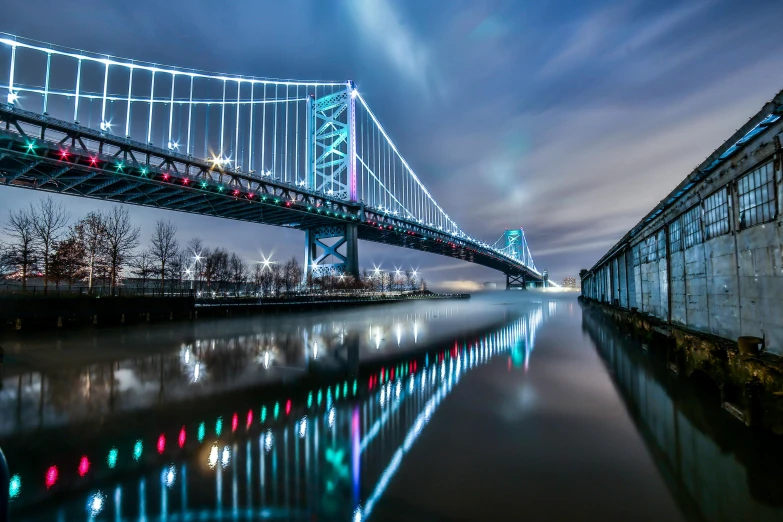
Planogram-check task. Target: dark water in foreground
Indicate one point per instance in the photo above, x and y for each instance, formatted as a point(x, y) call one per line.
point(510, 406)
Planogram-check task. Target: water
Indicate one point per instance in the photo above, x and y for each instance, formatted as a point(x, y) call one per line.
point(509, 406)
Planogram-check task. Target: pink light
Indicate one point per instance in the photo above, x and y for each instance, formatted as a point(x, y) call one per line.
point(84, 466)
point(182, 437)
point(249, 418)
point(51, 476)
point(288, 406)
point(63, 155)
point(166, 177)
point(236, 192)
point(161, 443)
point(250, 196)
point(93, 161)
point(234, 422)
point(185, 181)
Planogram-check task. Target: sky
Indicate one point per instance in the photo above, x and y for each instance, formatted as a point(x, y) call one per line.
point(568, 119)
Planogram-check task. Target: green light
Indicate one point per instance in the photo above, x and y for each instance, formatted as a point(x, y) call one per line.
point(111, 460)
point(15, 486)
point(30, 146)
point(328, 397)
point(202, 431)
point(354, 387)
point(277, 200)
point(220, 188)
point(119, 166)
point(203, 184)
point(277, 410)
point(310, 399)
point(137, 449)
point(320, 396)
point(345, 389)
point(144, 172)
point(219, 426)
point(263, 414)
point(337, 392)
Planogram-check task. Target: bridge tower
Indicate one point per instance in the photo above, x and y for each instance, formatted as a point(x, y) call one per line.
point(515, 245)
point(331, 168)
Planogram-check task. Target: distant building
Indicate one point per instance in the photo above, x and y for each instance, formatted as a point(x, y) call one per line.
point(569, 282)
point(490, 285)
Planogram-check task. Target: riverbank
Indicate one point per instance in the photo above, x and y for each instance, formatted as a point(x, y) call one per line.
point(751, 384)
point(52, 313)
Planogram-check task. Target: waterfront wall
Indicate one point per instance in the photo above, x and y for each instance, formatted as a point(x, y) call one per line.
point(709, 256)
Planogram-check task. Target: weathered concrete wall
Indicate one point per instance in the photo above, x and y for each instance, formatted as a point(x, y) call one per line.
point(709, 257)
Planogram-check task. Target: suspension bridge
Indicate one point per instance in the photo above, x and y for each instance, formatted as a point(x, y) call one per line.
point(308, 155)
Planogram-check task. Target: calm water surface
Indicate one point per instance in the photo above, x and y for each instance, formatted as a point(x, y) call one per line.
point(509, 406)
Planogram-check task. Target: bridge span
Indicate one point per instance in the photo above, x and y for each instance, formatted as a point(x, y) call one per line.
point(307, 155)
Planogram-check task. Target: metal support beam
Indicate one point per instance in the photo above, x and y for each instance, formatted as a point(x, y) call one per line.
point(338, 258)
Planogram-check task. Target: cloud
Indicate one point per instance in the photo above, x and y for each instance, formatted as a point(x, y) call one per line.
point(382, 26)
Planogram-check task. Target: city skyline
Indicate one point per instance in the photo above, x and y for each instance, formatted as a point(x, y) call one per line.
point(521, 171)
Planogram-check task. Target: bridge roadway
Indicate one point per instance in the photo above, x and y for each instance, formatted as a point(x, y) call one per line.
point(43, 153)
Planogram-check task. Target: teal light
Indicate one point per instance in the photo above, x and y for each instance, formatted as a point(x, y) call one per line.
point(202, 431)
point(345, 389)
point(320, 396)
point(277, 200)
point(220, 188)
point(263, 414)
point(111, 460)
point(15, 486)
point(203, 184)
point(219, 426)
point(337, 392)
point(137, 449)
point(144, 172)
point(354, 387)
point(119, 166)
point(310, 399)
point(30, 146)
point(277, 410)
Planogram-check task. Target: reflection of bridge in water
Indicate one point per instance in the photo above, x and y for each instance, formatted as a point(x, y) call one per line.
point(327, 446)
point(716, 468)
point(212, 360)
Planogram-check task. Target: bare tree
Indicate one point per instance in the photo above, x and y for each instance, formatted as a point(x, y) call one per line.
point(92, 229)
point(20, 229)
point(49, 220)
point(120, 240)
point(68, 260)
point(164, 247)
point(141, 266)
point(238, 271)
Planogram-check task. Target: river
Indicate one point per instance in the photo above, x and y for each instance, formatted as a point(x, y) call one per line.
point(507, 406)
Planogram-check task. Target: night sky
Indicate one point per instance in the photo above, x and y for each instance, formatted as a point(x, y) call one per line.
point(569, 119)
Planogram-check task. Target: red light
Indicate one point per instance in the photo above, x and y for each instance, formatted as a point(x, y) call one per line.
point(84, 466)
point(414, 366)
point(370, 383)
point(234, 422)
point(392, 374)
point(166, 177)
point(249, 418)
point(51, 476)
point(236, 192)
point(287, 203)
point(161, 443)
point(288, 406)
point(185, 181)
point(63, 155)
point(181, 439)
point(93, 161)
point(250, 196)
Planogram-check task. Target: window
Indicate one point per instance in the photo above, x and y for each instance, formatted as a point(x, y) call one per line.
point(649, 249)
point(716, 214)
point(636, 258)
point(675, 235)
point(756, 194)
point(691, 227)
point(661, 244)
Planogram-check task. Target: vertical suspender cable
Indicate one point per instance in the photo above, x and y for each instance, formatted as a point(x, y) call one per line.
point(190, 114)
point(222, 120)
point(46, 85)
point(236, 133)
point(128, 111)
point(250, 131)
point(149, 120)
point(76, 97)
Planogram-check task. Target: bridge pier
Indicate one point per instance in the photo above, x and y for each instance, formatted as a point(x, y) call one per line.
point(516, 282)
point(331, 250)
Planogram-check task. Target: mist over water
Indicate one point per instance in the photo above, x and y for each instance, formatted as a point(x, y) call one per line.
point(507, 406)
